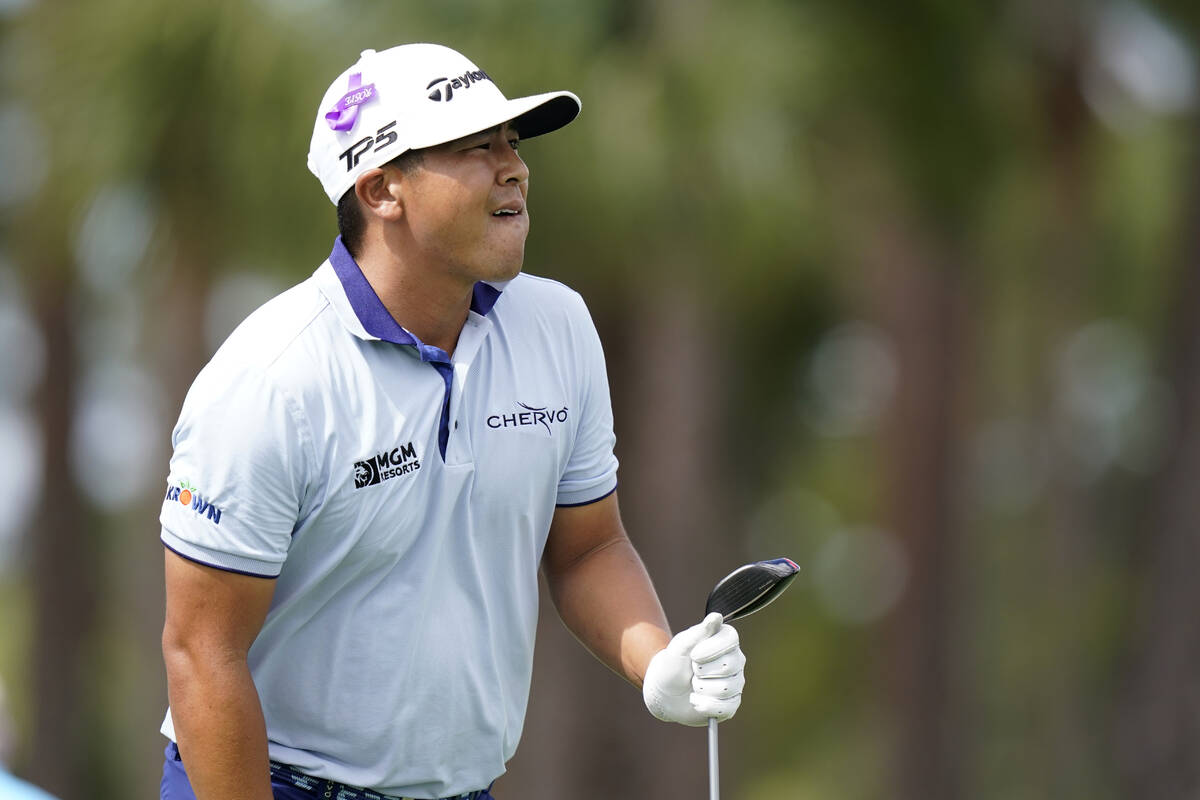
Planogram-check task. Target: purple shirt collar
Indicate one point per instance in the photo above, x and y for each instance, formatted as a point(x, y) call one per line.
point(369, 308)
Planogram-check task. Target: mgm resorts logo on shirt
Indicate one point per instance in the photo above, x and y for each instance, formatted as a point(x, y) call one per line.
point(388, 464)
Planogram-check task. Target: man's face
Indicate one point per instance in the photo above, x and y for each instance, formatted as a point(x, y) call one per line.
point(465, 204)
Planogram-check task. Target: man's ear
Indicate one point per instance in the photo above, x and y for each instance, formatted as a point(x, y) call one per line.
point(379, 193)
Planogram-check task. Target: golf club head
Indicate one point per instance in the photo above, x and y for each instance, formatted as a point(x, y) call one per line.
point(749, 588)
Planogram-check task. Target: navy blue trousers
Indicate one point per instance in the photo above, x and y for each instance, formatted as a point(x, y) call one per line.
point(175, 785)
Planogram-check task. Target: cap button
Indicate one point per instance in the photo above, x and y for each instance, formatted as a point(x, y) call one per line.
point(366, 53)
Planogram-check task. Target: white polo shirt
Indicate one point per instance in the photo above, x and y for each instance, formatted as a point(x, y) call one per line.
point(402, 500)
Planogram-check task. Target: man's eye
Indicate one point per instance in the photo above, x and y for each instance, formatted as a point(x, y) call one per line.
point(515, 144)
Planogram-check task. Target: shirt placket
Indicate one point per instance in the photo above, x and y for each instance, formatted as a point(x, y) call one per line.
point(470, 342)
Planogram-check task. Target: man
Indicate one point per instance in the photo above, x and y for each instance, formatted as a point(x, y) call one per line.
point(371, 470)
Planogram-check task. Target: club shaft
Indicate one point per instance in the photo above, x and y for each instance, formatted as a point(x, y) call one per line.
point(714, 776)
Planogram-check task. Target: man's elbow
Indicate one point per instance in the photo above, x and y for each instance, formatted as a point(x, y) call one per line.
point(188, 655)
point(179, 657)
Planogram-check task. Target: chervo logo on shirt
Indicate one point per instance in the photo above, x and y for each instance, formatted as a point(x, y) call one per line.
point(532, 415)
point(388, 464)
point(186, 494)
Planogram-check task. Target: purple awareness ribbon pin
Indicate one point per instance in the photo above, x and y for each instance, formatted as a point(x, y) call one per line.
point(345, 113)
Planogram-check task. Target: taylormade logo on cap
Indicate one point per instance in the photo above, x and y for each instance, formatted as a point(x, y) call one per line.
point(411, 97)
point(446, 92)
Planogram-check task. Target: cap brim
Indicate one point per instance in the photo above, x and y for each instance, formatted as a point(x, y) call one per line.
point(532, 116)
point(550, 112)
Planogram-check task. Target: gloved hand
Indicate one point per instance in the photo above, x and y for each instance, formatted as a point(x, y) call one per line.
point(700, 674)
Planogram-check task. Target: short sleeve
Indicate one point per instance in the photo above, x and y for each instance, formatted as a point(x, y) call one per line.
point(241, 461)
point(591, 471)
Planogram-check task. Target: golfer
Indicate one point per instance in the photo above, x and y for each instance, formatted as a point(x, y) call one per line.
point(370, 472)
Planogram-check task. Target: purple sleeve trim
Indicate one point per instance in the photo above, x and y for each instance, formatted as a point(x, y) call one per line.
point(218, 566)
point(586, 502)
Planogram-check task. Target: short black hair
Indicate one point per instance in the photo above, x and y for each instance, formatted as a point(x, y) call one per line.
point(350, 220)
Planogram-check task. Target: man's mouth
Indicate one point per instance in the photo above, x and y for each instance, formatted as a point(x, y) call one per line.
point(513, 208)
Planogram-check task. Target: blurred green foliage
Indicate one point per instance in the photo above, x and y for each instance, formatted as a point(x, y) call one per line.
point(761, 155)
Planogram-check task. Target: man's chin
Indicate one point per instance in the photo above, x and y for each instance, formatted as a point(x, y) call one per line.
point(509, 270)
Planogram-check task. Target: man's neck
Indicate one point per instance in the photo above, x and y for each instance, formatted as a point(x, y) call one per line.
point(426, 302)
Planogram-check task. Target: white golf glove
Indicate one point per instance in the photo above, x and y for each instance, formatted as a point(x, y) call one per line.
point(700, 674)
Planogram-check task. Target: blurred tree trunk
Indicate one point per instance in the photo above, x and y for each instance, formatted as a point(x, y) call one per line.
point(1158, 739)
point(675, 506)
point(68, 571)
point(920, 302)
point(65, 581)
point(1070, 565)
point(588, 735)
point(178, 350)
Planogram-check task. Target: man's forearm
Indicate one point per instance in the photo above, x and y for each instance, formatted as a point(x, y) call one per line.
point(219, 727)
point(607, 600)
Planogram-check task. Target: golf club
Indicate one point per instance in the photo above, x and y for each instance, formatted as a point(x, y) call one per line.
point(739, 594)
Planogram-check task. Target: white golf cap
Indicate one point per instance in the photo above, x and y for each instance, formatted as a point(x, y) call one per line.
point(414, 96)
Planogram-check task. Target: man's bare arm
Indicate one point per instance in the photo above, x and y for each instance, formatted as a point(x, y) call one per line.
point(602, 590)
point(212, 619)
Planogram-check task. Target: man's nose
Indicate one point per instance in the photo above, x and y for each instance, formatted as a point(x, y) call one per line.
point(513, 168)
